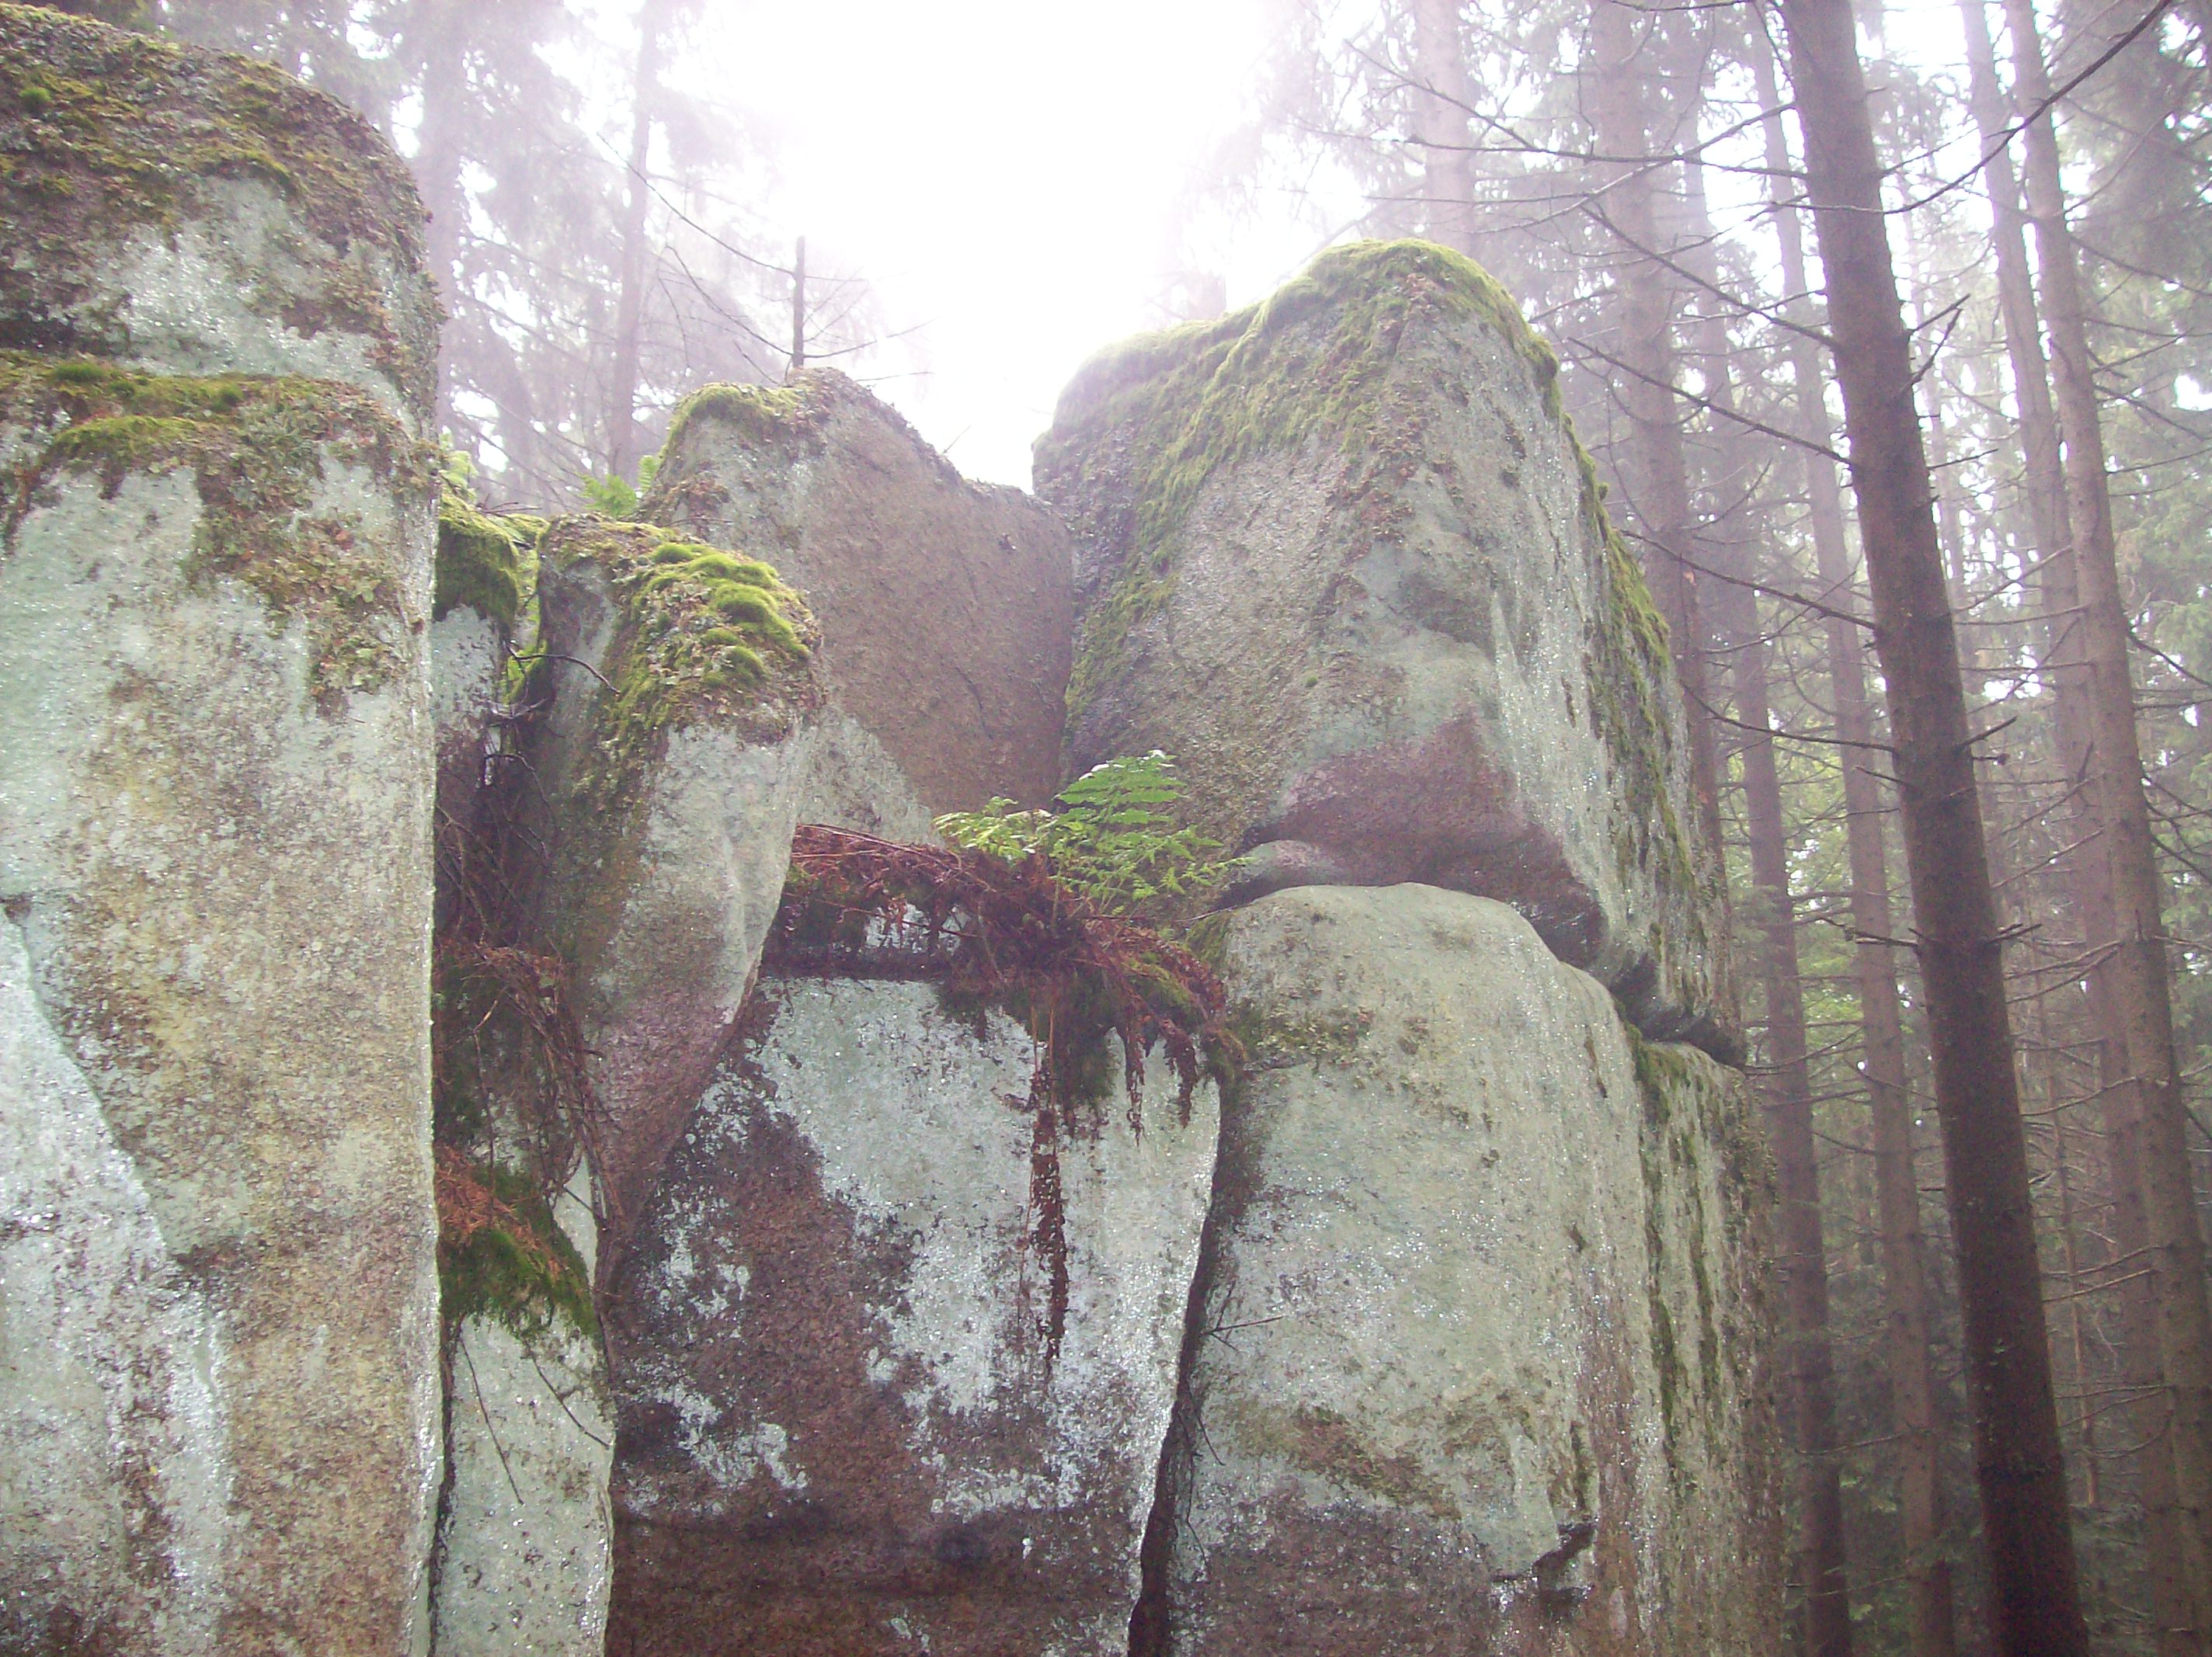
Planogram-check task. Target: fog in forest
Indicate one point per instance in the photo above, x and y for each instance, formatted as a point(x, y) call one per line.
point(1706, 578)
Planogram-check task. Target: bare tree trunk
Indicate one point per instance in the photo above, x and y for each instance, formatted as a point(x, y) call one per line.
point(621, 431)
point(2020, 1468)
point(1912, 1395)
point(1443, 94)
point(2132, 952)
point(2174, 1593)
point(1804, 1259)
point(1643, 306)
point(441, 73)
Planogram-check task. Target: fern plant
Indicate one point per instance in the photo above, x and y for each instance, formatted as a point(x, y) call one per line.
point(1113, 837)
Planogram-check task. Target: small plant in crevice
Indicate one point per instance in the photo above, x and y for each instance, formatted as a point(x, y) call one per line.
point(1114, 837)
point(1010, 933)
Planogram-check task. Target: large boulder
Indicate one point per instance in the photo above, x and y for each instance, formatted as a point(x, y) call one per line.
point(1479, 1365)
point(670, 770)
point(218, 1416)
point(198, 213)
point(1341, 554)
point(944, 605)
point(904, 1342)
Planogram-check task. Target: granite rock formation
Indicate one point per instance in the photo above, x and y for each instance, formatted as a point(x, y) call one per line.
point(490, 1231)
point(1489, 1262)
point(1340, 553)
point(861, 1417)
point(944, 605)
point(219, 1414)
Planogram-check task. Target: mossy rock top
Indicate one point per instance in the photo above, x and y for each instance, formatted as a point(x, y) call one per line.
point(702, 636)
point(105, 133)
point(257, 448)
point(1316, 361)
point(482, 560)
point(1341, 553)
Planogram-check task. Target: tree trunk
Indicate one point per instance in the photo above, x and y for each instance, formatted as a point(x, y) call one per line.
point(2175, 1592)
point(1804, 1261)
point(1443, 94)
point(1912, 1395)
point(2035, 1592)
point(441, 72)
point(2131, 949)
point(623, 437)
point(1642, 308)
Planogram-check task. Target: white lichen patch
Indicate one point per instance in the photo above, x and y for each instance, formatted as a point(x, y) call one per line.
point(921, 1126)
point(111, 1428)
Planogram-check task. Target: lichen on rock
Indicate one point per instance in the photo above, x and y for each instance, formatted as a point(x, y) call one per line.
point(194, 211)
point(1498, 1378)
point(1341, 553)
point(258, 451)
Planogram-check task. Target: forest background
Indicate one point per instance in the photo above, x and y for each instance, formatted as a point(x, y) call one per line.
point(613, 224)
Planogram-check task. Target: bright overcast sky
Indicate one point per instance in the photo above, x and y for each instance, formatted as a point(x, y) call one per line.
point(1007, 173)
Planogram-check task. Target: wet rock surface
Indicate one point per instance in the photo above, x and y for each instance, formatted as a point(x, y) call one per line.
point(524, 1531)
point(194, 212)
point(1341, 554)
point(669, 834)
point(215, 859)
point(846, 1421)
point(944, 605)
point(1440, 1333)
point(1477, 1367)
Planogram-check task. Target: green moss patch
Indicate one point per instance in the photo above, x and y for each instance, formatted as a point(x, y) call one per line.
point(704, 635)
point(761, 413)
point(255, 447)
point(481, 560)
point(501, 1255)
point(101, 129)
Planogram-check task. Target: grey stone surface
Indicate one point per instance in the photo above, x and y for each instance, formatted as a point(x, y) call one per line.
point(1340, 556)
point(192, 212)
point(844, 1425)
point(661, 902)
point(114, 1460)
point(944, 603)
point(1490, 1370)
point(215, 861)
point(523, 1536)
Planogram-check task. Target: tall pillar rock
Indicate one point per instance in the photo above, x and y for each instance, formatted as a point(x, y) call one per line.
point(218, 1414)
point(1341, 554)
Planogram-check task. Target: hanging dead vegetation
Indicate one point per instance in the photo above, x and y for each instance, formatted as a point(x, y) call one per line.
point(1013, 935)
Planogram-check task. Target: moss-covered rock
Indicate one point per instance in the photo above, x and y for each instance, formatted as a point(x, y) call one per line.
point(1341, 554)
point(944, 605)
point(216, 874)
point(699, 636)
point(259, 452)
point(484, 560)
point(1492, 1365)
point(197, 212)
point(683, 708)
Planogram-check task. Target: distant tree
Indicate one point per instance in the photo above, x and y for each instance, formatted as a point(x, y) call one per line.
point(2022, 1469)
